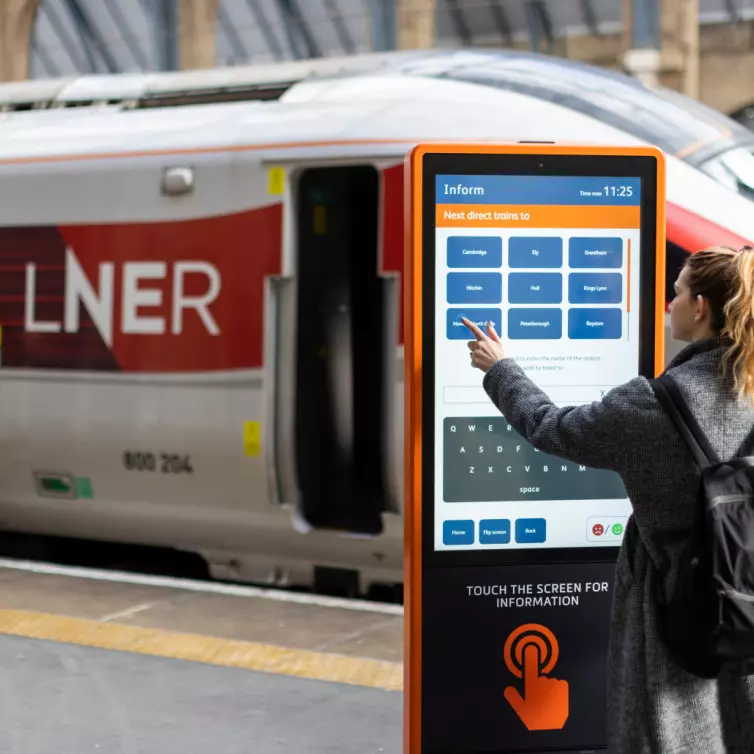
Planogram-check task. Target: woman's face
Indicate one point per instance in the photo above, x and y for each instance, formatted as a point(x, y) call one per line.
point(685, 315)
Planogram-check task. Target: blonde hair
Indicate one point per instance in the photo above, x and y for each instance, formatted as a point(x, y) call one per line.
point(725, 277)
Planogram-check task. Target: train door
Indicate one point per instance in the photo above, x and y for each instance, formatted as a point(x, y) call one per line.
point(340, 384)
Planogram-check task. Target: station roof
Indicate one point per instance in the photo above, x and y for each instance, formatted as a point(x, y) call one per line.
point(129, 36)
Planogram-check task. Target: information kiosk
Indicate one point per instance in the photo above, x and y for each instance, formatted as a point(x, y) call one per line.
point(510, 552)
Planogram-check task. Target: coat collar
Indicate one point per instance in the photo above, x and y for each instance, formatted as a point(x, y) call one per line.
point(717, 343)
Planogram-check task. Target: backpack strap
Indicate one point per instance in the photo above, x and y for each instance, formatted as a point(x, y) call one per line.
point(674, 404)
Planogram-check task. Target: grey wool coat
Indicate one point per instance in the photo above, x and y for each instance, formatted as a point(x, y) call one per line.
point(654, 707)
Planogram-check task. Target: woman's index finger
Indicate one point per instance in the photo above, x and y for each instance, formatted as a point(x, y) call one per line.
point(474, 329)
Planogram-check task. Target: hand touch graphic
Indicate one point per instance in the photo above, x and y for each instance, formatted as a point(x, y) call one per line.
point(544, 704)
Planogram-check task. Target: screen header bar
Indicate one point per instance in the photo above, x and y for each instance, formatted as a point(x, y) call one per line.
point(538, 190)
point(535, 216)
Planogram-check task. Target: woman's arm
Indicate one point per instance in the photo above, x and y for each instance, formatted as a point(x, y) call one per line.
point(602, 434)
point(596, 434)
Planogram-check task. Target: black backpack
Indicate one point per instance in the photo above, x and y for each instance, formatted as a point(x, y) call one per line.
point(707, 623)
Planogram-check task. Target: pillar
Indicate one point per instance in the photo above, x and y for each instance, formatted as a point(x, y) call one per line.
point(16, 26)
point(416, 24)
point(382, 24)
point(661, 43)
point(197, 20)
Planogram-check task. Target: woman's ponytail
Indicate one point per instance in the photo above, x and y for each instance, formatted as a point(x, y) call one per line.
point(739, 323)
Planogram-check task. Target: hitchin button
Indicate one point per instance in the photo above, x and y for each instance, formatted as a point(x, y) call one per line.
point(531, 530)
point(475, 287)
point(458, 532)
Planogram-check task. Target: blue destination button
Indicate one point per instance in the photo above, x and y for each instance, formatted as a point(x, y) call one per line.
point(495, 531)
point(595, 324)
point(596, 252)
point(531, 530)
point(458, 532)
point(456, 330)
point(475, 287)
point(535, 324)
point(535, 288)
point(535, 252)
point(475, 251)
point(595, 288)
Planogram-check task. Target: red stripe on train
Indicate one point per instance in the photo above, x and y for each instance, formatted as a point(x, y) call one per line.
point(693, 233)
point(153, 332)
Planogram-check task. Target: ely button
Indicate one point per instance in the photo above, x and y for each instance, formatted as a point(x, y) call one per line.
point(531, 530)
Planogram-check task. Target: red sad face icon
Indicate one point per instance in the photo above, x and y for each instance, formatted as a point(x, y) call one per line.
point(598, 530)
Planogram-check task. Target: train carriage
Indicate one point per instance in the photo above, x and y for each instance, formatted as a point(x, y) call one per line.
point(201, 288)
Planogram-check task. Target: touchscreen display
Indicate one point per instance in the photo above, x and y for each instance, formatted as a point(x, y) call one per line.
point(553, 263)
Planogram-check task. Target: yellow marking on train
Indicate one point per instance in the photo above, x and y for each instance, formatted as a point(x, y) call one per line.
point(209, 650)
point(276, 181)
point(252, 438)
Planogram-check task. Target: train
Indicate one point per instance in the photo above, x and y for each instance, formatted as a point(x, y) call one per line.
point(201, 288)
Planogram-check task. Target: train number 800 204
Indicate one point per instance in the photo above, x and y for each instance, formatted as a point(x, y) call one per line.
point(167, 463)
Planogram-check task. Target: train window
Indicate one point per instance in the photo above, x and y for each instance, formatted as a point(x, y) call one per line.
point(341, 361)
point(675, 123)
point(674, 259)
point(734, 169)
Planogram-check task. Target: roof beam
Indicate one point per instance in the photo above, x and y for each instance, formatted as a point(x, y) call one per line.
point(47, 62)
point(264, 26)
point(129, 37)
point(91, 38)
point(590, 17)
point(459, 22)
point(82, 64)
point(501, 20)
point(344, 36)
point(240, 53)
point(298, 30)
point(734, 10)
point(539, 20)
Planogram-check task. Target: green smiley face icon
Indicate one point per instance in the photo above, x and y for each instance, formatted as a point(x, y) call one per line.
point(617, 529)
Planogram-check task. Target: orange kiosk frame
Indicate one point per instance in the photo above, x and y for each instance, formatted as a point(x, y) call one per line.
point(415, 245)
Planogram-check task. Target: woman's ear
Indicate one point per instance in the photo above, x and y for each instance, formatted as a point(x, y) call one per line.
point(703, 310)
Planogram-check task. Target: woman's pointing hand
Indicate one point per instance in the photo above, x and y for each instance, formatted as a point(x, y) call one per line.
point(486, 350)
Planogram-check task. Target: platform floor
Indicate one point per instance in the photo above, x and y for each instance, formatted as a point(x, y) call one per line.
point(94, 664)
point(58, 697)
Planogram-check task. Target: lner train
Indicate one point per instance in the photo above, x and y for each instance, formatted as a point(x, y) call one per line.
point(201, 288)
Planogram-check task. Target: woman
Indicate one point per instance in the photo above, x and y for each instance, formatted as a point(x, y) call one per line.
point(654, 706)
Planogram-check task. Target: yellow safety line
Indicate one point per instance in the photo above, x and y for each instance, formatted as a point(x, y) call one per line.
point(265, 658)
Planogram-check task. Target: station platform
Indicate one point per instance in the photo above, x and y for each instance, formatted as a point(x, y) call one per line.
point(96, 661)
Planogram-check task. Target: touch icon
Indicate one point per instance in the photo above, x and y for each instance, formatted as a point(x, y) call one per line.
point(530, 653)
